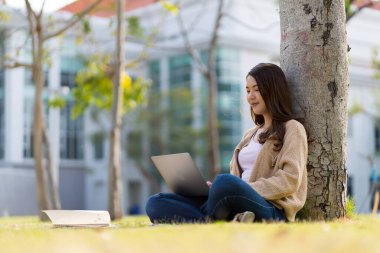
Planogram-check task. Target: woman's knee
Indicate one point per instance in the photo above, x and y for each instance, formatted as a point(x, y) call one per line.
point(226, 183)
point(226, 180)
point(152, 204)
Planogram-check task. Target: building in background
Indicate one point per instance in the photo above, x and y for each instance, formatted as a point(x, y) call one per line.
point(249, 34)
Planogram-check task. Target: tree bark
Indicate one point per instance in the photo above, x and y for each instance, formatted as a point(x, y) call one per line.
point(314, 59)
point(213, 132)
point(115, 181)
point(38, 77)
point(51, 167)
point(213, 136)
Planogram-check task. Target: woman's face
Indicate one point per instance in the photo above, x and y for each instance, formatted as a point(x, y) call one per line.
point(254, 97)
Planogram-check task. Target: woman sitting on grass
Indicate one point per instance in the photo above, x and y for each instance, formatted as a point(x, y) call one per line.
point(268, 177)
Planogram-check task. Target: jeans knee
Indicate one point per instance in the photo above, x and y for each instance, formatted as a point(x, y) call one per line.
point(226, 179)
point(226, 183)
point(152, 203)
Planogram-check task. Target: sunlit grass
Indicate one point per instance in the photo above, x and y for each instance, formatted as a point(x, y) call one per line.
point(136, 234)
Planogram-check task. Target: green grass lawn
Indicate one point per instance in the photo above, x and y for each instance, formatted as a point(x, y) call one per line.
point(136, 234)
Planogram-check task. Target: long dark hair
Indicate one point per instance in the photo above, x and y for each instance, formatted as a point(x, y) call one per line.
point(273, 88)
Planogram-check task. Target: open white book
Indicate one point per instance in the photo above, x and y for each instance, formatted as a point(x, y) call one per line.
point(78, 218)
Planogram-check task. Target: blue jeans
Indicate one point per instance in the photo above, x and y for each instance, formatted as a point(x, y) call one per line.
point(228, 196)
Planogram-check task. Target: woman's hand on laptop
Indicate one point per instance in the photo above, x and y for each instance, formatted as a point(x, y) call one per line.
point(209, 183)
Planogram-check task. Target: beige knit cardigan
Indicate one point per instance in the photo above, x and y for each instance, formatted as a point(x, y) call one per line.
point(279, 176)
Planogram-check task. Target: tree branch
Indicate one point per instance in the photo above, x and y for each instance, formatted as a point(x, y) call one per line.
point(31, 28)
point(73, 21)
point(149, 43)
point(17, 65)
point(194, 53)
point(42, 9)
point(29, 7)
point(214, 38)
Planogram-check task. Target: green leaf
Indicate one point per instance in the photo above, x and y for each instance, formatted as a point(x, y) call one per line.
point(355, 108)
point(134, 27)
point(94, 88)
point(169, 6)
point(78, 40)
point(348, 8)
point(4, 17)
point(57, 102)
point(86, 26)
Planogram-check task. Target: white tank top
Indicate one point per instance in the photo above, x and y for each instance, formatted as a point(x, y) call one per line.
point(248, 155)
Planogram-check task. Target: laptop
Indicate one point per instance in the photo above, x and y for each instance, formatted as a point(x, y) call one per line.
point(181, 175)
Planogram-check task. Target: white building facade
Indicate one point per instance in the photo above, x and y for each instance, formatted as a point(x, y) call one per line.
point(250, 34)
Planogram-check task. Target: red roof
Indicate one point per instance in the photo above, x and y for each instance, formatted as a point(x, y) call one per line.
point(367, 3)
point(106, 8)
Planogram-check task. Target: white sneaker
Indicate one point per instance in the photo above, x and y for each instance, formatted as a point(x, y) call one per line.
point(246, 217)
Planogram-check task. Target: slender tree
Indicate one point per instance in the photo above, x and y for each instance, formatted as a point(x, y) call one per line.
point(209, 73)
point(39, 36)
point(314, 58)
point(114, 176)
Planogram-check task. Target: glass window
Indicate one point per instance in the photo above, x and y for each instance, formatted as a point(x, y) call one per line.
point(377, 138)
point(2, 85)
point(29, 90)
point(68, 79)
point(98, 145)
point(180, 103)
point(154, 74)
point(350, 184)
point(180, 71)
point(28, 127)
point(229, 116)
point(155, 113)
point(71, 131)
point(71, 134)
point(227, 69)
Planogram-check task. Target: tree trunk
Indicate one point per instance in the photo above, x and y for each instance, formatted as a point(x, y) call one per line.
point(115, 181)
point(38, 77)
point(314, 59)
point(213, 137)
point(51, 166)
point(213, 133)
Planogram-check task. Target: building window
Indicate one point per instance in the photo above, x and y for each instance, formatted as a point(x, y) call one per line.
point(68, 79)
point(71, 134)
point(180, 116)
point(155, 109)
point(29, 90)
point(154, 74)
point(180, 71)
point(28, 127)
point(98, 145)
point(2, 82)
point(377, 137)
point(350, 185)
point(71, 131)
point(228, 77)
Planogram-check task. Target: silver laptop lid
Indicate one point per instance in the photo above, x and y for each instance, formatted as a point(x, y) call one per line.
point(181, 175)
